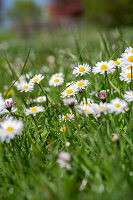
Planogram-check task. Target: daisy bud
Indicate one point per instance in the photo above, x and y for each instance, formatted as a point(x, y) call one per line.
point(98, 116)
point(68, 144)
point(126, 109)
point(102, 95)
point(9, 103)
point(115, 137)
point(70, 101)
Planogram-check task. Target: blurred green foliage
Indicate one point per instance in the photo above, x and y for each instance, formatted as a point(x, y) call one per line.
point(107, 12)
point(23, 10)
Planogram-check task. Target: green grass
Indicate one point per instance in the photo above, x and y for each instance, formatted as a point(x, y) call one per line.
point(28, 165)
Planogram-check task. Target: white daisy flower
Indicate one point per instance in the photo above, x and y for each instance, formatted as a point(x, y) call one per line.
point(126, 76)
point(25, 87)
point(5, 111)
point(117, 62)
point(66, 117)
point(71, 101)
point(126, 68)
point(37, 78)
point(82, 84)
point(9, 129)
point(70, 91)
point(56, 81)
point(34, 110)
point(40, 99)
point(128, 96)
point(104, 66)
point(88, 102)
point(63, 129)
point(129, 50)
point(117, 105)
point(127, 58)
point(19, 81)
point(100, 108)
point(57, 75)
point(81, 70)
point(86, 109)
point(2, 103)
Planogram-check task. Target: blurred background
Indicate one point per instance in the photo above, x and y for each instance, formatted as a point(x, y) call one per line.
point(28, 17)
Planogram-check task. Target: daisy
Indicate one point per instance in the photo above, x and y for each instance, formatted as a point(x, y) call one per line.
point(57, 75)
point(19, 81)
point(56, 81)
point(63, 129)
point(7, 111)
point(40, 99)
point(126, 76)
point(9, 129)
point(2, 103)
point(129, 50)
point(128, 96)
point(26, 87)
point(70, 91)
point(81, 70)
point(66, 117)
point(104, 66)
point(87, 102)
point(64, 159)
point(117, 105)
point(82, 84)
point(100, 108)
point(37, 78)
point(126, 67)
point(86, 109)
point(117, 62)
point(71, 101)
point(127, 58)
point(34, 110)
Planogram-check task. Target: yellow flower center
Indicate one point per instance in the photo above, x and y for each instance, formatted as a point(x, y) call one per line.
point(104, 67)
point(69, 91)
point(36, 80)
point(41, 99)
point(130, 58)
point(129, 75)
point(25, 86)
point(102, 107)
point(33, 109)
point(116, 62)
point(9, 129)
point(132, 51)
point(117, 105)
point(56, 80)
point(67, 116)
point(63, 128)
point(80, 84)
point(57, 76)
point(129, 68)
point(81, 69)
point(85, 110)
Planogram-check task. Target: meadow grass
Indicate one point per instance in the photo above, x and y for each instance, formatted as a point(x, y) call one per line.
point(100, 168)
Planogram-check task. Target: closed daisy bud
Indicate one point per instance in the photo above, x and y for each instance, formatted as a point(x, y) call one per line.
point(70, 101)
point(9, 103)
point(115, 137)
